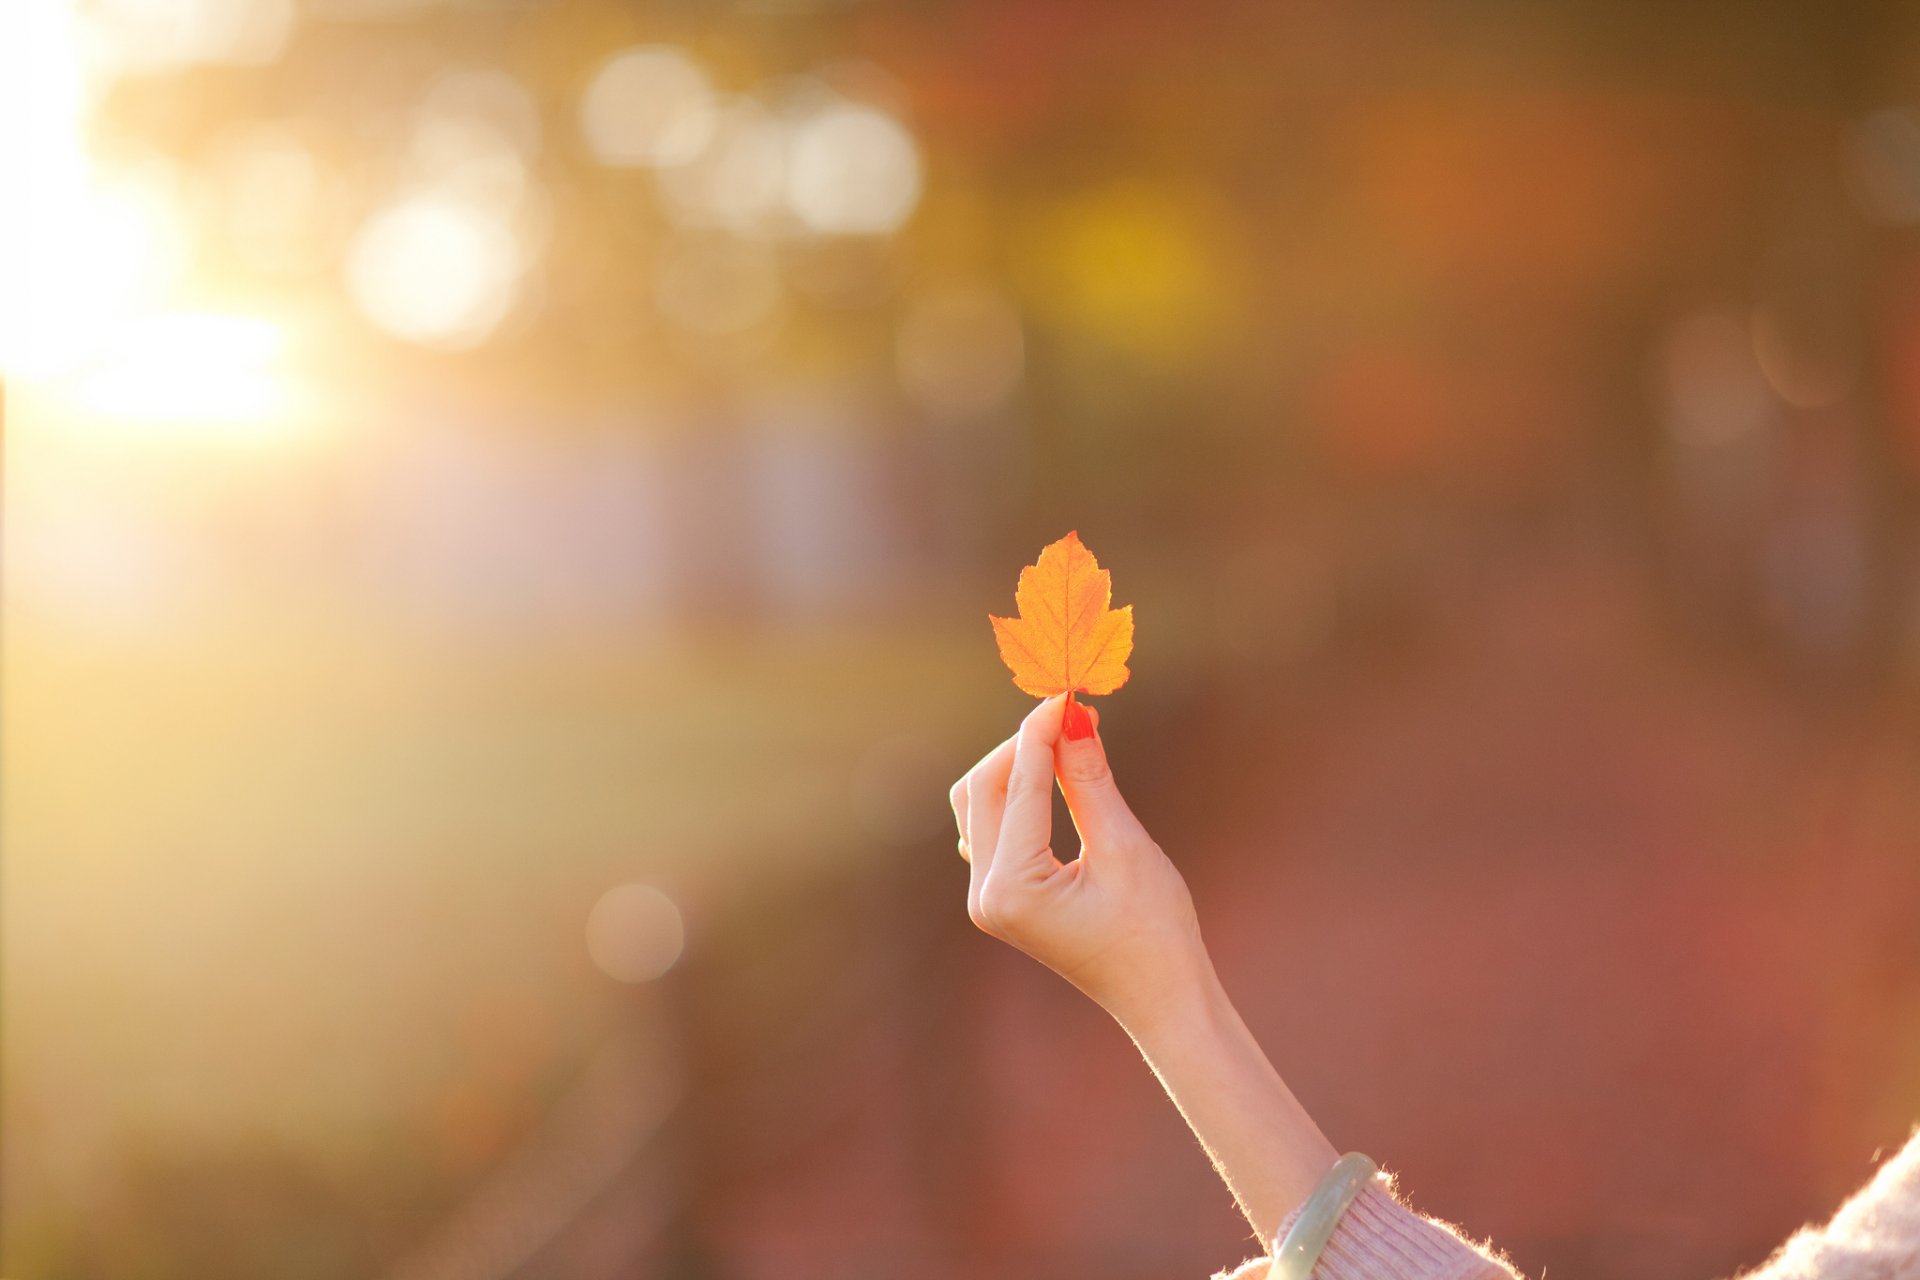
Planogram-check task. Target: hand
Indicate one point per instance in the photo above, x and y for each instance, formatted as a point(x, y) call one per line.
point(1117, 921)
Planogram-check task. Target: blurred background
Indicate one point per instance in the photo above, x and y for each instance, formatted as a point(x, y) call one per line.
point(502, 502)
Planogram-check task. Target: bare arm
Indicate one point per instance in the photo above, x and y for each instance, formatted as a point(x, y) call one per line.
point(1119, 924)
point(1262, 1142)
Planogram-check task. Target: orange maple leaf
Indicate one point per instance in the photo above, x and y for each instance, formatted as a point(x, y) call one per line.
point(1066, 639)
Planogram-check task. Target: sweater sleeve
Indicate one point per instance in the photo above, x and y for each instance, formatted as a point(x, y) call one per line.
point(1875, 1236)
point(1380, 1238)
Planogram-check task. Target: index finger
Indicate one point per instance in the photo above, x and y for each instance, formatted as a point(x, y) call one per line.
point(1025, 845)
point(979, 810)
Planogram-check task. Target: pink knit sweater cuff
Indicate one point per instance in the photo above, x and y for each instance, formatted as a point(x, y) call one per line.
point(1381, 1239)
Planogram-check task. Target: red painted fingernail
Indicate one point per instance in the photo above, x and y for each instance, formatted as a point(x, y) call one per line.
point(1077, 723)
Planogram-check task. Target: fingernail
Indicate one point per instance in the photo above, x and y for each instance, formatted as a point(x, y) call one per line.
point(1077, 723)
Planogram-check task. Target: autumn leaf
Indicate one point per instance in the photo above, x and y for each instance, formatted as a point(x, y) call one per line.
point(1066, 639)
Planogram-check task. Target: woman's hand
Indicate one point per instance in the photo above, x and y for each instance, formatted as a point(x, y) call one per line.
point(1117, 921)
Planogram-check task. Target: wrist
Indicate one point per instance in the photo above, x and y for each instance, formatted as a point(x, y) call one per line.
point(1182, 1002)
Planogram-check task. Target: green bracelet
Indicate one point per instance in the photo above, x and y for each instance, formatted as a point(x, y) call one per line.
point(1294, 1258)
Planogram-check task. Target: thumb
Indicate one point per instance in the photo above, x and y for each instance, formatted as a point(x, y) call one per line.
point(1100, 814)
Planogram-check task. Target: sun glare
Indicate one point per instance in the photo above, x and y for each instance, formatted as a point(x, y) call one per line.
point(95, 262)
point(220, 373)
point(42, 149)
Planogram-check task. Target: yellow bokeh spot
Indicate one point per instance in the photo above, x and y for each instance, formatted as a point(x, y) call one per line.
point(1138, 267)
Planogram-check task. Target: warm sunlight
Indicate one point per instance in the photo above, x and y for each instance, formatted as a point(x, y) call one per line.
point(47, 223)
point(95, 260)
point(222, 374)
point(544, 544)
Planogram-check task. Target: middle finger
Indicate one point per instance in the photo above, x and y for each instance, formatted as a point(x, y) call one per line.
point(986, 800)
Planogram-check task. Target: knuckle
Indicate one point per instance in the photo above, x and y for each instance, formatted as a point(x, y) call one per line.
point(1032, 770)
point(1086, 768)
point(957, 795)
point(1005, 909)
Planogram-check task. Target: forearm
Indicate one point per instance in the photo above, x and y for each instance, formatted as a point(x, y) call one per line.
point(1118, 923)
point(1261, 1140)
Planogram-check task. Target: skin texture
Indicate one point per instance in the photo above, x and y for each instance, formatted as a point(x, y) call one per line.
point(1119, 923)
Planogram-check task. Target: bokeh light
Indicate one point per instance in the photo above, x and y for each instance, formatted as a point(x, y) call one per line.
point(853, 170)
point(483, 98)
point(635, 933)
point(470, 159)
point(736, 179)
point(149, 36)
point(436, 269)
point(1135, 267)
point(648, 105)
